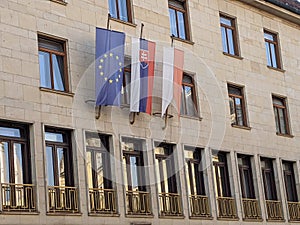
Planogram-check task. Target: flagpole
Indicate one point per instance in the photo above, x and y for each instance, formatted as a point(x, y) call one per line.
point(108, 21)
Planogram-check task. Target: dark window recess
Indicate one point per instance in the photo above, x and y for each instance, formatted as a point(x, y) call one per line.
point(53, 64)
point(237, 105)
point(272, 49)
point(281, 116)
point(179, 19)
point(188, 97)
point(221, 175)
point(246, 177)
point(289, 180)
point(120, 9)
point(229, 35)
point(268, 179)
point(125, 92)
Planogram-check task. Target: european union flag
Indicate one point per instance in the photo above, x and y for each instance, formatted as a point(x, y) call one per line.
point(109, 66)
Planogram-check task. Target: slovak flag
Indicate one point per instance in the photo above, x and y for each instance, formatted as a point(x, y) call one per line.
point(142, 75)
point(172, 78)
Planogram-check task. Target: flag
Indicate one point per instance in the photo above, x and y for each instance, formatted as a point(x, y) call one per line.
point(142, 75)
point(109, 66)
point(172, 78)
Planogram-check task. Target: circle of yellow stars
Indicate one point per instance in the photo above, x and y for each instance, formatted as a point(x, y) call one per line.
point(101, 66)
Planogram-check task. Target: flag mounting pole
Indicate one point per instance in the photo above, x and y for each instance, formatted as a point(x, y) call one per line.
point(108, 21)
point(97, 112)
point(142, 29)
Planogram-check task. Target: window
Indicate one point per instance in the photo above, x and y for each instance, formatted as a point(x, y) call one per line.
point(178, 19)
point(229, 35)
point(289, 180)
point(16, 179)
point(188, 97)
point(268, 179)
point(281, 117)
point(246, 177)
point(60, 176)
point(237, 105)
point(120, 9)
point(137, 196)
point(101, 194)
point(53, 64)
point(169, 198)
point(125, 92)
point(272, 49)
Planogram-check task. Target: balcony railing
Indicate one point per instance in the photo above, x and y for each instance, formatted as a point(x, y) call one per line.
point(199, 206)
point(170, 204)
point(274, 210)
point(138, 203)
point(251, 209)
point(18, 197)
point(294, 211)
point(226, 208)
point(63, 199)
point(102, 200)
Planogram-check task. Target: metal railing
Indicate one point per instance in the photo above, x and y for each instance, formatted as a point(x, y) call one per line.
point(63, 199)
point(274, 210)
point(18, 197)
point(138, 202)
point(102, 200)
point(251, 209)
point(170, 204)
point(199, 206)
point(294, 211)
point(227, 208)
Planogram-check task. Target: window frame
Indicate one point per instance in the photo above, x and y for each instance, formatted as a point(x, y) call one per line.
point(290, 172)
point(241, 169)
point(129, 11)
point(272, 185)
point(233, 27)
point(277, 49)
point(62, 42)
point(226, 182)
point(243, 103)
point(194, 96)
point(185, 12)
point(285, 113)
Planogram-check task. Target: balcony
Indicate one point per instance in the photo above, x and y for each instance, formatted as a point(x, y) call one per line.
point(63, 199)
point(199, 206)
point(251, 209)
point(170, 204)
point(227, 208)
point(274, 210)
point(294, 211)
point(18, 197)
point(102, 201)
point(138, 203)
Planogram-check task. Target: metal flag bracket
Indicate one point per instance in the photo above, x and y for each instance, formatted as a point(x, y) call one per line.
point(97, 112)
point(166, 117)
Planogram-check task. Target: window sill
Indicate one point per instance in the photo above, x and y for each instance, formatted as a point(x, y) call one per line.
point(284, 135)
point(201, 217)
point(182, 40)
point(139, 216)
point(62, 2)
point(171, 217)
point(191, 117)
point(19, 213)
point(63, 214)
point(57, 92)
point(123, 22)
point(233, 56)
point(253, 220)
point(228, 219)
point(241, 127)
point(276, 69)
point(99, 214)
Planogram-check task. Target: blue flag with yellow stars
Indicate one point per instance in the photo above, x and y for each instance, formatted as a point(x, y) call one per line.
point(109, 66)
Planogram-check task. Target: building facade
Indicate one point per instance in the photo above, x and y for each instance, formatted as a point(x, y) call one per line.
point(230, 155)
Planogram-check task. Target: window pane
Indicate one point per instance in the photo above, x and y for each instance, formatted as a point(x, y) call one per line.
point(61, 166)
point(44, 62)
point(234, 90)
point(173, 22)
point(269, 36)
point(134, 173)
point(50, 166)
point(4, 162)
point(273, 54)
point(55, 137)
point(239, 111)
point(51, 45)
point(224, 41)
point(225, 21)
point(10, 132)
point(99, 170)
point(230, 41)
point(113, 8)
point(181, 25)
point(89, 169)
point(282, 121)
point(58, 72)
point(126, 89)
point(18, 163)
point(269, 62)
point(182, 102)
point(276, 120)
point(190, 105)
point(123, 10)
point(278, 101)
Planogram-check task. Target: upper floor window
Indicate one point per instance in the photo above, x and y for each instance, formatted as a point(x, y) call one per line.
point(281, 116)
point(179, 19)
point(229, 35)
point(272, 49)
point(289, 180)
point(53, 64)
point(237, 105)
point(188, 97)
point(120, 9)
